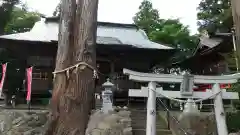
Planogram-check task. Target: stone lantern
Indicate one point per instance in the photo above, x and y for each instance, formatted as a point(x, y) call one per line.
point(107, 96)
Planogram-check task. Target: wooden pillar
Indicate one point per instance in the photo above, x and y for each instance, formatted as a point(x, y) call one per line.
point(112, 67)
point(236, 19)
point(50, 78)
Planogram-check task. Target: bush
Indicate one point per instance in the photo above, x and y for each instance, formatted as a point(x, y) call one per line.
point(233, 122)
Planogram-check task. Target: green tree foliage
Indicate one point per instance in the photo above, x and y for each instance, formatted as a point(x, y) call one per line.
point(215, 15)
point(16, 18)
point(230, 58)
point(174, 33)
point(21, 21)
point(6, 8)
point(233, 122)
point(147, 18)
point(170, 31)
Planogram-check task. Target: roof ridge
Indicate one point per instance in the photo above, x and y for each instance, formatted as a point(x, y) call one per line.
point(100, 23)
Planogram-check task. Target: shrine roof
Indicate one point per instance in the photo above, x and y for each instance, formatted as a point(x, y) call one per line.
point(215, 39)
point(210, 42)
point(108, 33)
point(217, 43)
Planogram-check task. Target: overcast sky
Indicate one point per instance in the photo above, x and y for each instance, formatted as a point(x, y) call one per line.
point(122, 11)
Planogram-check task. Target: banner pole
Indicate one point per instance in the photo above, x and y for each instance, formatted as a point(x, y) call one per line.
point(29, 105)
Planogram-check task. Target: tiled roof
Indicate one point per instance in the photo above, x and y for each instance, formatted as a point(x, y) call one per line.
point(107, 33)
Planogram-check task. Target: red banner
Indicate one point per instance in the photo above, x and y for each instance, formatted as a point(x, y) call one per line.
point(29, 83)
point(4, 69)
point(204, 87)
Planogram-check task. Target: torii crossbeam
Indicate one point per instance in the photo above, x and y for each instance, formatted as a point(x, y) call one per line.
point(143, 92)
point(152, 79)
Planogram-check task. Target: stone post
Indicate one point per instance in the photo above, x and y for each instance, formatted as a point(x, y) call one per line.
point(107, 96)
point(219, 111)
point(151, 109)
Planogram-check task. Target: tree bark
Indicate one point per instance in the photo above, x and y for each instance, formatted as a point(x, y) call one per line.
point(236, 19)
point(73, 93)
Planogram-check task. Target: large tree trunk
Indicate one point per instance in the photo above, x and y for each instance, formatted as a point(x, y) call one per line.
point(236, 18)
point(73, 93)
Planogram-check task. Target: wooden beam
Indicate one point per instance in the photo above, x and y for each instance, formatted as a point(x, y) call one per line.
point(102, 59)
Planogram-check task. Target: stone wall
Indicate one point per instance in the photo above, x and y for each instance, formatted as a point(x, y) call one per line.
point(238, 133)
point(116, 122)
point(197, 125)
point(19, 122)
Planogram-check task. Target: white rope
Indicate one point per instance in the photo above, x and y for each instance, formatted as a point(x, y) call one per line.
point(74, 66)
point(184, 101)
point(81, 65)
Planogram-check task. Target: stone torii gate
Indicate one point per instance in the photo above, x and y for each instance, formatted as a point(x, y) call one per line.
point(187, 82)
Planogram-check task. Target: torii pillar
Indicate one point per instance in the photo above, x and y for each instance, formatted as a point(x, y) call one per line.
point(151, 109)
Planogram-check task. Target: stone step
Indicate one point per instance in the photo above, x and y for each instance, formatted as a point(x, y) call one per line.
point(163, 125)
point(158, 122)
point(98, 104)
point(139, 120)
point(144, 124)
point(144, 127)
point(159, 132)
